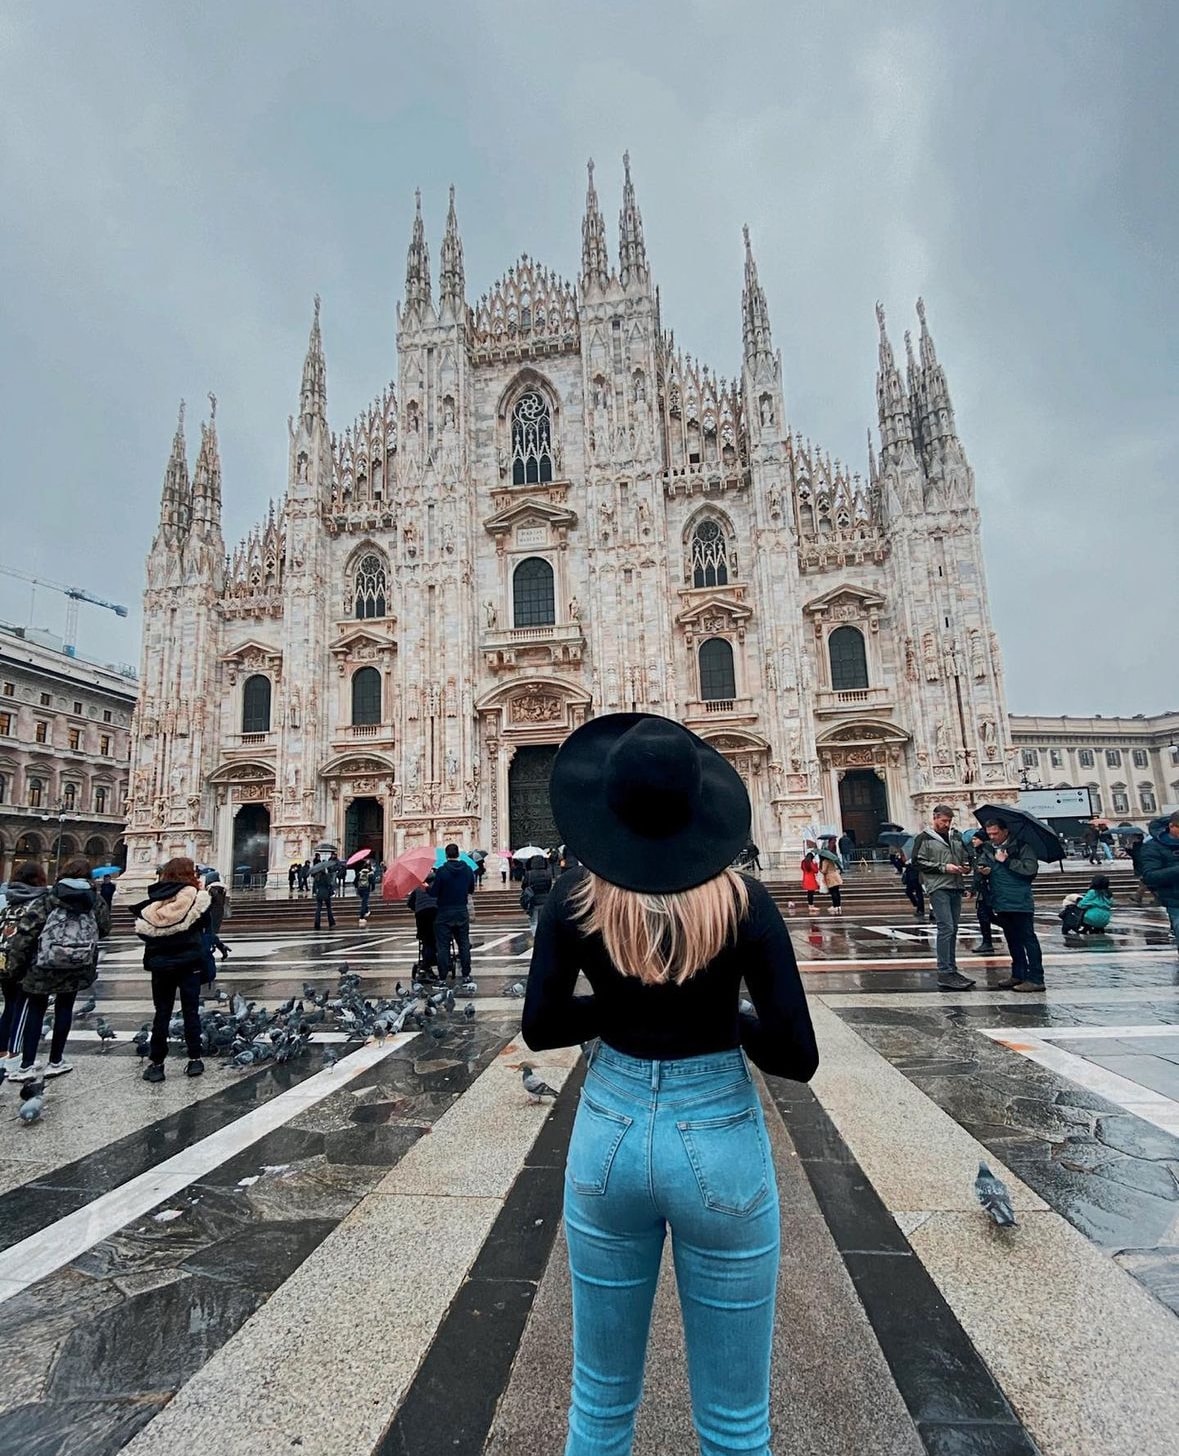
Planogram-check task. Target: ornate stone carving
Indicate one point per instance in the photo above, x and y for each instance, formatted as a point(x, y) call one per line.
point(535, 706)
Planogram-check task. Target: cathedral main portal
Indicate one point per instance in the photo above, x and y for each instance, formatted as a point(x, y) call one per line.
point(364, 828)
point(530, 817)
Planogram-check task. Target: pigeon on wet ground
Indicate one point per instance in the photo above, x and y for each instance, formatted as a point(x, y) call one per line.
point(994, 1196)
point(86, 1008)
point(106, 1033)
point(535, 1086)
point(32, 1101)
point(515, 990)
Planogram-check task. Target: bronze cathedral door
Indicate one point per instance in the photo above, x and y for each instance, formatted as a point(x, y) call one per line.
point(530, 818)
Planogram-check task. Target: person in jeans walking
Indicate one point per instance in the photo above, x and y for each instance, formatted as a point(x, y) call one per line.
point(1009, 867)
point(942, 859)
point(174, 925)
point(669, 1134)
point(364, 888)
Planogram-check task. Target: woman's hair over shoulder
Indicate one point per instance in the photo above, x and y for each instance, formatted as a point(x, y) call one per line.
point(180, 871)
point(29, 873)
point(662, 938)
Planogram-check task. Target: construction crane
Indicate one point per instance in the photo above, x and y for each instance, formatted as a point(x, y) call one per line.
point(74, 595)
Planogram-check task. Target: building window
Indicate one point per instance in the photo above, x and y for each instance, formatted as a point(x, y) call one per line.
point(1030, 758)
point(1175, 757)
point(1147, 799)
point(1056, 757)
point(1121, 801)
point(255, 705)
point(6, 725)
point(533, 603)
point(41, 732)
point(532, 440)
point(3, 788)
point(1141, 758)
point(371, 589)
point(1113, 758)
point(100, 800)
point(710, 555)
point(10, 690)
point(717, 680)
point(69, 797)
point(106, 715)
point(104, 744)
point(849, 663)
point(366, 696)
point(36, 793)
point(1095, 798)
point(75, 739)
point(46, 700)
point(1085, 758)
point(77, 709)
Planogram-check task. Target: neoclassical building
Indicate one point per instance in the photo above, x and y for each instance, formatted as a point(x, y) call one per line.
point(555, 512)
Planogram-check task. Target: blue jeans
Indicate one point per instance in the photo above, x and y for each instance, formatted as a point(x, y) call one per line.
point(362, 896)
point(1173, 917)
point(679, 1145)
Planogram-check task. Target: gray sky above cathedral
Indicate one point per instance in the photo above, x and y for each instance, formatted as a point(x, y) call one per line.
point(178, 182)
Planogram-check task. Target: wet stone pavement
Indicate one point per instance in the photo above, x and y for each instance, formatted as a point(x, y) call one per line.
point(184, 1264)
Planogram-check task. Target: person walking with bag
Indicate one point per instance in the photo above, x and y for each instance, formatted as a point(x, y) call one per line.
point(669, 1133)
point(56, 947)
point(174, 925)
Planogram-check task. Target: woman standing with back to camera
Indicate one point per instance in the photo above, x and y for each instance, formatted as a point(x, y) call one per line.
point(669, 1131)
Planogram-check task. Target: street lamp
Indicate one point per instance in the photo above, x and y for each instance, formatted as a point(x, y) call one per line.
point(61, 816)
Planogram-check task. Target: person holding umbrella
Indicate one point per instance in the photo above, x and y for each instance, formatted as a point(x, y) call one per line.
point(1009, 865)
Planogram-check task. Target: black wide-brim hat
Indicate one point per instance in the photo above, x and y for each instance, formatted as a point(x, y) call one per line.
point(647, 805)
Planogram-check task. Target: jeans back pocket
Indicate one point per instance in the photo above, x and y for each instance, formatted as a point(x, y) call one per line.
point(728, 1157)
point(597, 1135)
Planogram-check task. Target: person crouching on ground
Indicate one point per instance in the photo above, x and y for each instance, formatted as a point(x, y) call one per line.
point(669, 1134)
point(1009, 868)
point(1088, 914)
point(56, 947)
point(172, 923)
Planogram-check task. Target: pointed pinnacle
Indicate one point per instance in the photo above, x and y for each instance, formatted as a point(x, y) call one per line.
point(212, 406)
point(921, 310)
point(880, 315)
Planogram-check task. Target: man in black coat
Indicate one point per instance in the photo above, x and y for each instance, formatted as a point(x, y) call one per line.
point(454, 884)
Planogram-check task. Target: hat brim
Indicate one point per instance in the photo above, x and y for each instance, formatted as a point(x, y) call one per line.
point(654, 862)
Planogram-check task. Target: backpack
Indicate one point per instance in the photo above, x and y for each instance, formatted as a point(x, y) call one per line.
point(9, 917)
point(364, 878)
point(69, 941)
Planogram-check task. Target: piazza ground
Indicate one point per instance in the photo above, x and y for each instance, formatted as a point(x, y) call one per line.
point(368, 1258)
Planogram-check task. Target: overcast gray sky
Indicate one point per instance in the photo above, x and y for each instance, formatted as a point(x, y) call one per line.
point(176, 182)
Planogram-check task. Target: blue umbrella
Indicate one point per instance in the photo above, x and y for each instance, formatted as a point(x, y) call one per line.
point(104, 870)
point(464, 857)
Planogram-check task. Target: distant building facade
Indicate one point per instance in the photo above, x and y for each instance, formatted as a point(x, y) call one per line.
point(554, 513)
point(65, 745)
point(1129, 765)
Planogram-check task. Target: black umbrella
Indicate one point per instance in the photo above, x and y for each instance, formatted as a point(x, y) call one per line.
point(1034, 832)
point(892, 828)
point(1123, 831)
point(895, 837)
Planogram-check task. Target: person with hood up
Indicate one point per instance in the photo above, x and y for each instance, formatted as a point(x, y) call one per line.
point(55, 949)
point(28, 883)
point(172, 923)
point(1158, 864)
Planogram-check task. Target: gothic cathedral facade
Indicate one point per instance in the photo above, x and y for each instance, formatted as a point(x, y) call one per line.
point(553, 513)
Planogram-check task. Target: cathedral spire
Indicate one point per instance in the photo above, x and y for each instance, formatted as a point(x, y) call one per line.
point(896, 430)
point(313, 392)
point(755, 317)
point(451, 283)
point(632, 251)
point(595, 260)
point(206, 480)
point(176, 497)
point(417, 264)
point(938, 408)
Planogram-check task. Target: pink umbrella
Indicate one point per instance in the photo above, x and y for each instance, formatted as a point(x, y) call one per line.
point(359, 857)
point(407, 872)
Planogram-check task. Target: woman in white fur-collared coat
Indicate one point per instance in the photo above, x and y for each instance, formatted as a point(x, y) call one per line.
point(171, 923)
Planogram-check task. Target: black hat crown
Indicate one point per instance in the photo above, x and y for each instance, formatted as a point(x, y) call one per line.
point(652, 778)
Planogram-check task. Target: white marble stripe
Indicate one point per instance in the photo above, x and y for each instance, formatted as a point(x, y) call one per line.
point(52, 1248)
point(1100, 1033)
point(1056, 996)
point(1151, 1106)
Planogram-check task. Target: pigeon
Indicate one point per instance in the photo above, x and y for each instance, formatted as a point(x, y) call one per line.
point(992, 1193)
point(469, 1011)
point(515, 990)
point(330, 1058)
point(534, 1086)
point(468, 988)
point(87, 1008)
point(106, 1033)
point(32, 1101)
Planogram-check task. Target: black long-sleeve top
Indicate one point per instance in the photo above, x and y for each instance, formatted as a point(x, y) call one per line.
point(668, 1022)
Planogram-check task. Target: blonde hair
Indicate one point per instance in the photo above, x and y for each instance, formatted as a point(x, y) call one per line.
point(662, 938)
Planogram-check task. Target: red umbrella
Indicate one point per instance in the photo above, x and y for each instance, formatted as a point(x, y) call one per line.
point(359, 857)
point(407, 872)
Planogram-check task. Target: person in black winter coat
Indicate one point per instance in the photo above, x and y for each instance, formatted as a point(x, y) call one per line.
point(173, 923)
point(538, 881)
point(28, 883)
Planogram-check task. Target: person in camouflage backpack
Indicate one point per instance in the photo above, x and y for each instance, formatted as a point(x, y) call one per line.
point(56, 949)
point(28, 883)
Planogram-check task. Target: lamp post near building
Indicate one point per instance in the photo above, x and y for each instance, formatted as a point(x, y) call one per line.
point(61, 816)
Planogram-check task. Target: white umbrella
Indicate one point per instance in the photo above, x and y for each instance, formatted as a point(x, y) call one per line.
point(529, 850)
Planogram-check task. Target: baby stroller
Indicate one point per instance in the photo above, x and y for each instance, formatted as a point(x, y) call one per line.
point(425, 914)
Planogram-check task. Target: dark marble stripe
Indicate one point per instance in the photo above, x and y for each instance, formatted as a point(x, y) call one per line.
point(955, 1402)
point(444, 1416)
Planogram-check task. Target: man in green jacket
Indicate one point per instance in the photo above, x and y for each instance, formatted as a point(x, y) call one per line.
point(1009, 867)
point(941, 857)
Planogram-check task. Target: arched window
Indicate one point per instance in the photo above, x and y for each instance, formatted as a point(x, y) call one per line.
point(256, 704)
point(366, 696)
point(849, 665)
point(532, 440)
point(717, 681)
point(69, 797)
point(710, 555)
point(36, 793)
point(100, 800)
point(371, 591)
point(532, 594)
